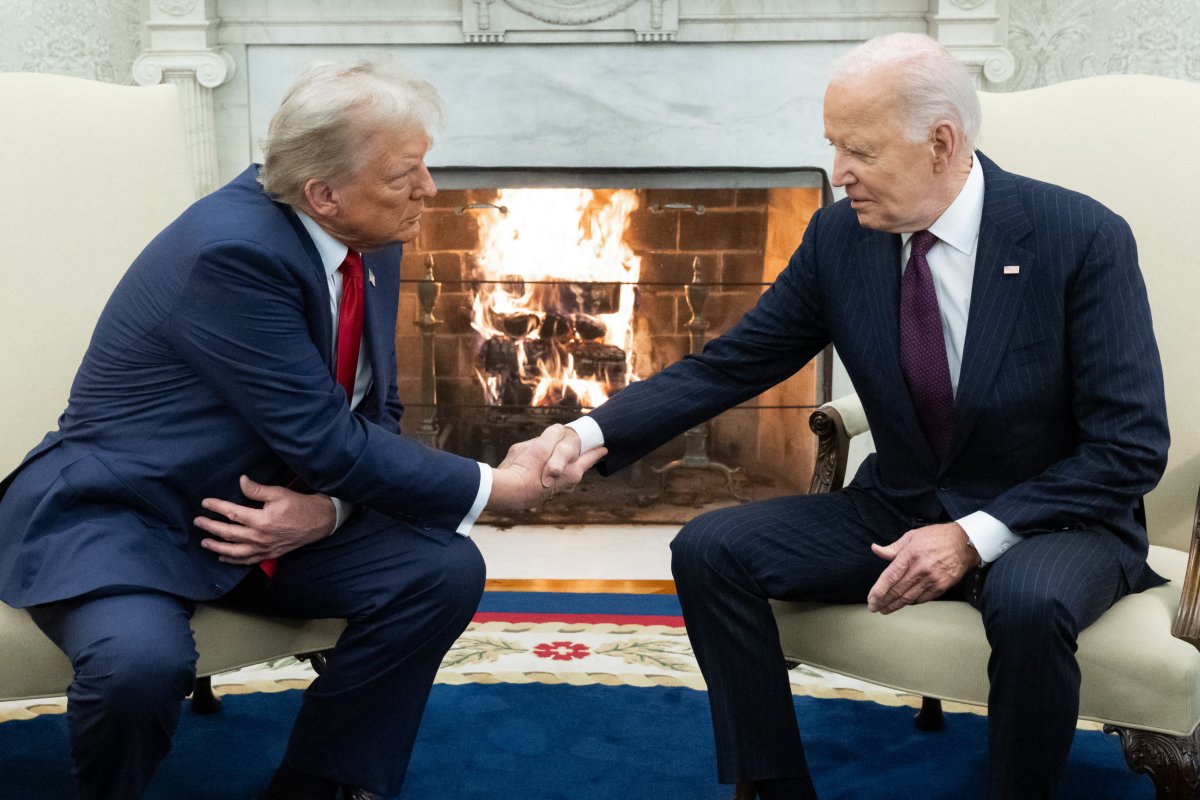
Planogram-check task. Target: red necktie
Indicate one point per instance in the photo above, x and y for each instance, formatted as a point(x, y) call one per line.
point(923, 347)
point(350, 322)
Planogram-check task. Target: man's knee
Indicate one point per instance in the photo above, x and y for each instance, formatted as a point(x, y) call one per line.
point(451, 578)
point(132, 675)
point(703, 545)
point(1026, 614)
point(463, 577)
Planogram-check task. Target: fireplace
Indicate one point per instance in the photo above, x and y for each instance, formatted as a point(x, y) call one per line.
point(557, 288)
point(650, 84)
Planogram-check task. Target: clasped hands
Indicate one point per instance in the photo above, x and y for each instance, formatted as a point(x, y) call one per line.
point(538, 469)
point(281, 519)
point(925, 563)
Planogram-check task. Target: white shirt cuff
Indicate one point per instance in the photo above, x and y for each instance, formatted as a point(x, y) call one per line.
point(342, 511)
point(590, 435)
point(481, 498)
point(990, 537)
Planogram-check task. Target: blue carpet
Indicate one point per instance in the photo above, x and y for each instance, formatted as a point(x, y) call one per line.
point(540, 742)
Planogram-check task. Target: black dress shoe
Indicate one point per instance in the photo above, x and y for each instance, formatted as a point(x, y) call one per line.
point(350, 793)
point(744, 790)
point(775, 789)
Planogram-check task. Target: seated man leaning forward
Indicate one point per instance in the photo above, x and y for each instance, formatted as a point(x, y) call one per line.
point(998, 334)
point(242, 375)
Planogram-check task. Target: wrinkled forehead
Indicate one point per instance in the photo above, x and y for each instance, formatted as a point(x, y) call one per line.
point(863, 103)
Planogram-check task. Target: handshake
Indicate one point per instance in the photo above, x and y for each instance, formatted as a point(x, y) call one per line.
point(536, 470)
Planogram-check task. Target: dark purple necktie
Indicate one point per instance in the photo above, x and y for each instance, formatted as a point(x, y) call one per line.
point(923, 347)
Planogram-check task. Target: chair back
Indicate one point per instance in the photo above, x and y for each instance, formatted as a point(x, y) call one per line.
point(1125, 140)
point(92, 171)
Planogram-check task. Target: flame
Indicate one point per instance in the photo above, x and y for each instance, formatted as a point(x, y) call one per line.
point(553, 265)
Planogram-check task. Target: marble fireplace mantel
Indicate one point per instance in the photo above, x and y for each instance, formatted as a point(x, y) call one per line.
point(608, 83)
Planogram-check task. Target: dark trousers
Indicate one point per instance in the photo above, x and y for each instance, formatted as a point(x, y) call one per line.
point(406, 598)
point(1036, 599)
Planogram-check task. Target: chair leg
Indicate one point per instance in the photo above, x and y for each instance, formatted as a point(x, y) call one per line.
point(930, 718)
point(203, 699)
point(317, 660)
point(1171, 762)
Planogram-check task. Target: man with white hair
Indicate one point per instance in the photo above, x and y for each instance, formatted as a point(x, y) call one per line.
point(242, 375)
point(998, 334)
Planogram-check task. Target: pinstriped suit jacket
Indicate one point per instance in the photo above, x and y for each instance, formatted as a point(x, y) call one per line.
point(1060, 417)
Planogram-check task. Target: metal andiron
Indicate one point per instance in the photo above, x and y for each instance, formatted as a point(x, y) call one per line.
point(427, 293)
point(695, 441)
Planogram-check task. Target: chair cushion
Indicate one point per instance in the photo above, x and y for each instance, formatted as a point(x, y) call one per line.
point(1135, 674)
point(226, 640)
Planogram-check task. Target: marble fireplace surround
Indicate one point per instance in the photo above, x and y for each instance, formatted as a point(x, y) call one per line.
point(555, 83)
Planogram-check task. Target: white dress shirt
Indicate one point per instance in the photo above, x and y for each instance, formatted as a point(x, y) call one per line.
point(333, 253)
point(952, 262)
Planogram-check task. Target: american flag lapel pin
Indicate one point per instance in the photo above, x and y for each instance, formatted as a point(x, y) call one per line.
point(371, 276)
point(1009, 269)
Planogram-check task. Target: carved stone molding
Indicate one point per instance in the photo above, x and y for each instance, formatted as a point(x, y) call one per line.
point(570, 12)
point(195, 74)
point(177, 8)
point(211, 68)
point(991, 64)
point(976, 33)
point(491, 21)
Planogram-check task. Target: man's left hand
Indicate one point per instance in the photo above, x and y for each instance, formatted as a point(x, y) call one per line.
point(925, 563)
point(287, 520)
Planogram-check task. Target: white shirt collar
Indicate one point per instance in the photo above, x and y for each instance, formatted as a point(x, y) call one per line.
point(958, 226)
point(332, 252)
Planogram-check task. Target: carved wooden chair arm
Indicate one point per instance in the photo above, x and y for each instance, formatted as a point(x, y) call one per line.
point(835, 424)
point(1187, 619)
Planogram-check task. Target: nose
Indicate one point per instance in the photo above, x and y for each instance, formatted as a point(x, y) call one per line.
point(841, 173)
point(425, 187)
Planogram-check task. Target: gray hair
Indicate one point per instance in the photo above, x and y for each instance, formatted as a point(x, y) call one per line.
point(329, 111)
point(936, 85)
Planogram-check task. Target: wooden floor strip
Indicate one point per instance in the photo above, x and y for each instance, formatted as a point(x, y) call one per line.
point(581, 586)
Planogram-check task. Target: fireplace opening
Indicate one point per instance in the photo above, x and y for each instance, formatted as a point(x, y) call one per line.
point(536, 294)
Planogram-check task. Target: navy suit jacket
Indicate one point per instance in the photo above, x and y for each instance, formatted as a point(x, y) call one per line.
point(213, 358)
point(1060, 417)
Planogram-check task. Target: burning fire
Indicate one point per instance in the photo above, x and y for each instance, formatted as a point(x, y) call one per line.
point(556, 305)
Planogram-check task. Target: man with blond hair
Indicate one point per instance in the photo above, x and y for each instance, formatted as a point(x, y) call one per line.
point(242, 377)
point(997, 332)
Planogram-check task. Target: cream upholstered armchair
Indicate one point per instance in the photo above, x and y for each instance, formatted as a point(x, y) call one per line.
point(92, 171)
point(1123, 140)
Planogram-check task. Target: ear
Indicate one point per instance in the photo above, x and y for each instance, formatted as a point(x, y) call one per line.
point(945, 144)
point(322, 199)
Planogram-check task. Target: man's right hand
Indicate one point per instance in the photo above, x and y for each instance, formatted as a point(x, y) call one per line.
point(524, 480)
point(560, 468)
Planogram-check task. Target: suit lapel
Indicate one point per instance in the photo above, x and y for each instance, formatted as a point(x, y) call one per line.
point(376, 327)
point(321, 323)
point(996, 296)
